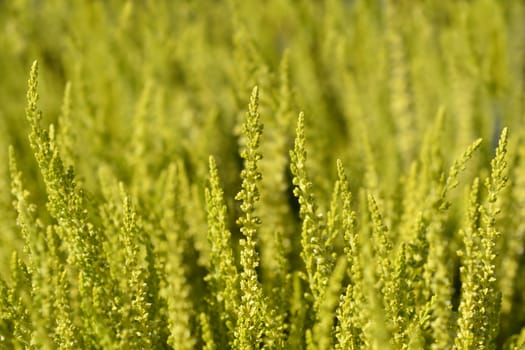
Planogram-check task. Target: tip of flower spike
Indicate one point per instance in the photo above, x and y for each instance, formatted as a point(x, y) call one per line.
point(33, 73)
point(300, 123)
point(32, 113)
point(12, 160)
point(340, 170)
point(11, 151)
point(504, 136)
point(34, 65)
point(211, 161)
point(254, 101)
point(477, 143)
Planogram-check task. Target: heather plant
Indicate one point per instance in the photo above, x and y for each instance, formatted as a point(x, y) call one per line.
point(293, 175)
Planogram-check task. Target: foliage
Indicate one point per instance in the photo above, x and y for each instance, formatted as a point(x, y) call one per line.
point(299, 175)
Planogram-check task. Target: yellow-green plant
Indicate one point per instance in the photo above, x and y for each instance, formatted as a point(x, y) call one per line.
point(307, 175)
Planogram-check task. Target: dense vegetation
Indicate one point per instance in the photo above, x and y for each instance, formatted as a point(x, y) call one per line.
point(278, 174)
